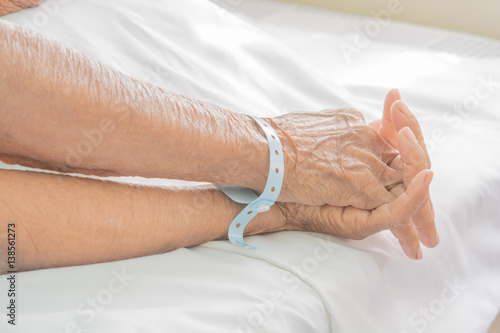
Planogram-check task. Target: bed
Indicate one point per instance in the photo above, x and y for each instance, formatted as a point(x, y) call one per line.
point(267, 58)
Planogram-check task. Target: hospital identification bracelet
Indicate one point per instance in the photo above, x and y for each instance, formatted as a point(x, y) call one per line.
point(245, 195)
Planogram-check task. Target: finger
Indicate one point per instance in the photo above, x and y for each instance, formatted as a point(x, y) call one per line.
point(399, 212)
point(368, 176)
point(381, 148)
point(387, 129)
point(408, 240)
point(414, 160)
point(372, 181)
point(397, 163)
point(384, 174)
point(412, 155)
point(402, 117)
point(391, 177)
point(433, 212)
point(380, 159)
point(407, 235)
point(371, 194)
point(426, 226)
point(354, 223)
point(375, 124)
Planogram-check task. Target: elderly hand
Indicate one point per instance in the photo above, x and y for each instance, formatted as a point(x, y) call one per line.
point(410, 217)
point(10, 6)
point(355, 223)
point(334, 157)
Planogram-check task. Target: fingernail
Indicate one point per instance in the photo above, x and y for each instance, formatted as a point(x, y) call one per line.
point(420, 254)
point(398, 94)
point(407, 133)
point(404, 109)
point(437, 239)
point(428, 177)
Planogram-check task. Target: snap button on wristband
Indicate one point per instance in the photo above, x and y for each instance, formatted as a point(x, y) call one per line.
point(268, 197)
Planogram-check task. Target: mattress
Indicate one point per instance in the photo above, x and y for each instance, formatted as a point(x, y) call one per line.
point(267, 58)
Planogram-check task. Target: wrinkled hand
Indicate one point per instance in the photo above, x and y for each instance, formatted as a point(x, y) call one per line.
point(10, 6)
point(334, 157)
point(355, 223)
point(410, 216)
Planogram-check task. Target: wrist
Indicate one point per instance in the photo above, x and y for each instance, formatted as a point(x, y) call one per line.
point(254, 158)
point(271, 221)
point(290, 153)
point(251, 164)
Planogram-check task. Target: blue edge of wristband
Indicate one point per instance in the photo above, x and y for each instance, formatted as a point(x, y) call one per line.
point(262, 203)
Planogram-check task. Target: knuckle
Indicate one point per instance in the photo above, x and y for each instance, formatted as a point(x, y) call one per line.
point(417, 157)
point(354, 114)
point(348, 114)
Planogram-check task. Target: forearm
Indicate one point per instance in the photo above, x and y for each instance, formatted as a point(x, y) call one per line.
point(64, 220)
point(63, 111)
point(10, 6)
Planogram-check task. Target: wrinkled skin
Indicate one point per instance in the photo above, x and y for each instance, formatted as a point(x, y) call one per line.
point(410, 216)
point(10, 6)
point(354, 223)
point(334, 157)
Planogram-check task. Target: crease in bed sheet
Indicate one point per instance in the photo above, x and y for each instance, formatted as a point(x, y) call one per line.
point(261, 253)
point(271, 73)
point(160, 292)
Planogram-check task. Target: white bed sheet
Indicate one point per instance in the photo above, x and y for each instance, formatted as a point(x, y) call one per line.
point(266, 58)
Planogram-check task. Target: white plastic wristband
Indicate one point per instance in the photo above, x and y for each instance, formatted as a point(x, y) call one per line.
point(262, 203)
